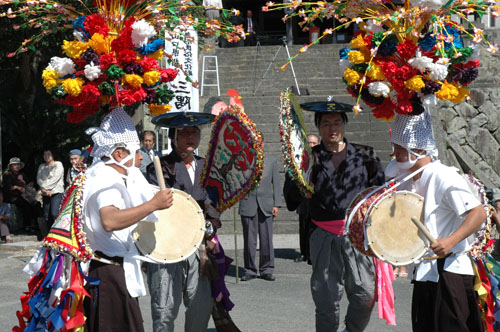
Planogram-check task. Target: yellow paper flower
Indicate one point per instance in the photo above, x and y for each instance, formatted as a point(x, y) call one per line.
point(155, 109)
point(447, 92)
point(376, 73)
point(133, 80)
point(151, 77)
point(415, 83)
point(73, 49)
point(358, 42)
point(158, 55)
point(73, 86)
point(462, 94)
point(351, 76)
point(357, 57)
point(100, 44)
point(50, 78)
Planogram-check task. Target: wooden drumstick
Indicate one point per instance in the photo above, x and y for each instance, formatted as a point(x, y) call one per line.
point(423, 229)
point(159, 173)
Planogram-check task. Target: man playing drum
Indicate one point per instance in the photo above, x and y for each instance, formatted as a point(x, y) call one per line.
point(170, 284)
point(341, 170)
point(443, 293)
point(116, 197)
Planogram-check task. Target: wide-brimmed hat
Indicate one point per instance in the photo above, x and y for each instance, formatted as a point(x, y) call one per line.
point(15, 160)
point(327, 106)
point(182, 119)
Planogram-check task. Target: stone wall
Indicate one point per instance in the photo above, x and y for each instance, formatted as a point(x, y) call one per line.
point(468, 134)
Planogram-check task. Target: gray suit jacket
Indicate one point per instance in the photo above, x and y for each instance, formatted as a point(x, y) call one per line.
point(146, 159)
point(267, 195)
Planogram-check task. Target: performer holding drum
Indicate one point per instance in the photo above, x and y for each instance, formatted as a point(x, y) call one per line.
point(341, 170)
point(443, 293)
point(116, 197)
point(170, 284)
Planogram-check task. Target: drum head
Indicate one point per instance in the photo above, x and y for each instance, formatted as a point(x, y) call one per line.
point(176, 235)
point(391, 234)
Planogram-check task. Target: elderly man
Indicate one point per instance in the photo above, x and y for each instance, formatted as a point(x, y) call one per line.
point(170, 284)
point(341, 170)
point(147, 150)
point(443, 294)
point(77, 166)
point(116, 197)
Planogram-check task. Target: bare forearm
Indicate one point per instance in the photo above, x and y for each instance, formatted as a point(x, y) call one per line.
point(114, 219)
point(471, 223)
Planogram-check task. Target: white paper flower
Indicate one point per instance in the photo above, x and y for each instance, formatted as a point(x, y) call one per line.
point(92, 71)
point(437, 72)
point(63, 66)
point(141, 31)
point(343, 64)
point(78, 35)
point(379, 88)
point(420, 62)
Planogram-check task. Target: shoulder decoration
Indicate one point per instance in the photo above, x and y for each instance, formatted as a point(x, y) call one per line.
point(297, 154)
point(235, 159)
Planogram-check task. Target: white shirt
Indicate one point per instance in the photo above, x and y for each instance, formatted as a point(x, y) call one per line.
point(212, 3)
point(447, 199)
point(106, 187)
point(51, 177)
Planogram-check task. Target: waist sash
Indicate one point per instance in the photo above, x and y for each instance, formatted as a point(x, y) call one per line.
point(335, 227)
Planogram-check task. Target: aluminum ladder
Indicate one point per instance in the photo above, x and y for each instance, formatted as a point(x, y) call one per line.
point(216, 70)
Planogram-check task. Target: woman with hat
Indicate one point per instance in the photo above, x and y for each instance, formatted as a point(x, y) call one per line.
point(15, 188)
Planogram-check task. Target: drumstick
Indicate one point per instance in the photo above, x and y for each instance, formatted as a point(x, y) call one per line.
point(159, 173)
point(423, 229)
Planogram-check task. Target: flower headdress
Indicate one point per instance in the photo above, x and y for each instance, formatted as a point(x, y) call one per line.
point(408, 54)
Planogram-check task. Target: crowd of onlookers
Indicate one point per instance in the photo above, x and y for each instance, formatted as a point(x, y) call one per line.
point(31, 204)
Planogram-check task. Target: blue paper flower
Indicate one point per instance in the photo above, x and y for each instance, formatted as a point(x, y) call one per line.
point(78, 26)
point(152, 47)
point(343, 52)
point(457, 41)
point(427, 43)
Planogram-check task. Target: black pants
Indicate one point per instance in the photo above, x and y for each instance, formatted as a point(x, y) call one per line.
point(449, 305)
point(304, 222)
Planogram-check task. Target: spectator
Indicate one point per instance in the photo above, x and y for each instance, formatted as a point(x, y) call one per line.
point(304, 215)
point(212, 8)
point(258, 210)
point(4, 221)
point(147, 151)
point(50, 178)
point(77, 165)
point(250, 28)
point(18, 190)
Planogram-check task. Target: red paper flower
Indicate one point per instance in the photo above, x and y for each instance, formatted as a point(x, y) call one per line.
point(385, 111)
point(95, 24)
point(149, 64)
point(471, 64)
point(407, 49)
point(80, 63)
point(404, 107)
point(130, 97)
point(107, 60)
point(126, 56)
point(389, 68)
point(168, 75)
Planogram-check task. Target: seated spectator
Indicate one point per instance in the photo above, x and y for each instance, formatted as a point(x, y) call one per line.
point(4, 221)
point(18, 190)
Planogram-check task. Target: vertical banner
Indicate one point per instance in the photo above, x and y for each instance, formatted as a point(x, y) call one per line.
point(182, 44)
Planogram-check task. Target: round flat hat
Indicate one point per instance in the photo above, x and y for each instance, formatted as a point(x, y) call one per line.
point(326, 106)
point(182, 119)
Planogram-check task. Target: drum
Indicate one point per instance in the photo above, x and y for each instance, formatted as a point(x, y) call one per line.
point(176, 235)
point(390, 233)
point(356, 230)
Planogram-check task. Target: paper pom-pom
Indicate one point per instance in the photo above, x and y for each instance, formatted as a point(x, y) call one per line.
point(447, 92)
point(376, 73)
point(106, 60)
point(168, 75)
point(114, 72)
point(74, 49)
point(437, 72)
point(358, 42)
point(155, 109)
point(135, 81)
point(149, 64)
point(63, 66)
point(415, 83)
point(73, 86)
point(357, 57)
point(141, 32)
point(151, 77)
point(99, 44)
point(378, 89)
point(351, 76)
point(50, 78)
point(92, 71)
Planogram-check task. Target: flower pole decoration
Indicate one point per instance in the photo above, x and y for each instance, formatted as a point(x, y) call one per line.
point(408, 54)
point(114, 57)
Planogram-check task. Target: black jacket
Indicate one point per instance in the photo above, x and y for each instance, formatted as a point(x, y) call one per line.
point(334, 189)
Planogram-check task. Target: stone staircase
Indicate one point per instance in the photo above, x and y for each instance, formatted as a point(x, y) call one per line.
point(317, 72)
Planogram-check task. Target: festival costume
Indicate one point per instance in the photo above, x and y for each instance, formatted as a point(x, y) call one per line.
point(336, 264)
point(170, 284)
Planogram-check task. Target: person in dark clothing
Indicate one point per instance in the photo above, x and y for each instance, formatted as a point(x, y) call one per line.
point(341, 170)
point(250, 26)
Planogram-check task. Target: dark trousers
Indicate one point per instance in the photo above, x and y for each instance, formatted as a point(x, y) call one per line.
point(51, 206)
point(28, 212)
point(110, 308)
point(264, 227)
point(304, 221)
point(449, 305)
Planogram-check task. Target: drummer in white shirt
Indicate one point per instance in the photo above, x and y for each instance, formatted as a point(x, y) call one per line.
point(116, 196)
point(443, 296)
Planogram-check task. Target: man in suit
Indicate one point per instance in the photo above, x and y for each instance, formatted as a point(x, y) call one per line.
point(147, 151)
point(250, 27)
point(257, 211)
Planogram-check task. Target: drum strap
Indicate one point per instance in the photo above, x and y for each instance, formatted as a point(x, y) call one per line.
point(335, 227)
point(102, 258)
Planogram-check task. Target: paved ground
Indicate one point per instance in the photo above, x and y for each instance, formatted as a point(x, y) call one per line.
point(282, 305)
